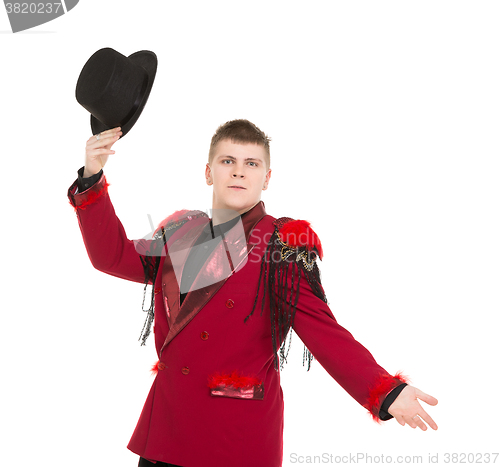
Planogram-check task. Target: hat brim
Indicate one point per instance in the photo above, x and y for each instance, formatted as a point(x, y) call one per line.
point(147, 60)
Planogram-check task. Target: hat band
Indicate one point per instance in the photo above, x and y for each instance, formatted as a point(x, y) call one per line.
point(138, 101)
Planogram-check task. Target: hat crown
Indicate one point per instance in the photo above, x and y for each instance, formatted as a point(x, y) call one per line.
point(111, 87)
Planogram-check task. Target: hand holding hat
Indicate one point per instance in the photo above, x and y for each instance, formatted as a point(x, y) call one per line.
point(98, 150)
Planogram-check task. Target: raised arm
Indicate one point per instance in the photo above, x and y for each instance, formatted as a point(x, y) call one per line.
point(105, 239)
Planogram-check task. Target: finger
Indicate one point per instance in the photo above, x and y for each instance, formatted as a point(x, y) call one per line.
point(400, 420)
point(410, 421)
point(118, 128)
point(426, 397)
point(106, 133)
point(418, 421)
point(108, 136)
point(100, 152)
point(110, 131)
point(103, 141)
point(110, 144)
point(428, 419)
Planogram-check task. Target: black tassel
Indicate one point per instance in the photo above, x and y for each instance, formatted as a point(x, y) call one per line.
point(276, 263)
point(151, 263)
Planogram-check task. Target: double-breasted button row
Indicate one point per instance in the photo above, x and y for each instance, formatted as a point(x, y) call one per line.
point(184, 370)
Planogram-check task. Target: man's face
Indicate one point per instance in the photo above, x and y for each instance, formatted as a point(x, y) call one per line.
point(237, 165)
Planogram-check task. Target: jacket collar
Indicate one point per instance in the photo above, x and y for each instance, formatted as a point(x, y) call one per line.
point(229, 255)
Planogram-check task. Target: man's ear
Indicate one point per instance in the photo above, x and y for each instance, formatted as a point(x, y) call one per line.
point(208, 174)
point(266, 182)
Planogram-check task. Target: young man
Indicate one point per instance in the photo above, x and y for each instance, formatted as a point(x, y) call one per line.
point(227, 290)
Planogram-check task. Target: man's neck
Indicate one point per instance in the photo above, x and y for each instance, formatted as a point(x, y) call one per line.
point(219, 216)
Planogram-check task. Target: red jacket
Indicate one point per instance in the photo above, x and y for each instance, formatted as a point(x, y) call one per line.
point(216, 399)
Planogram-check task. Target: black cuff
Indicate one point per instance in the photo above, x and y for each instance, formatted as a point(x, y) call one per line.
point(85, 183)
point(390, 398)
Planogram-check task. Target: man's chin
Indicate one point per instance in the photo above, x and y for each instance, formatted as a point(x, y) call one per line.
point(240, 207)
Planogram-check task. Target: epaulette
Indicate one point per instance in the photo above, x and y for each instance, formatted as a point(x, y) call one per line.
point(177, 219)
point(293, 246)
point(297, 236)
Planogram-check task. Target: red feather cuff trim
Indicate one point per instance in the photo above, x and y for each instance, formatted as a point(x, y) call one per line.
point(379, 391)
point(234, 379)
point(84, 199)
point(296, 233)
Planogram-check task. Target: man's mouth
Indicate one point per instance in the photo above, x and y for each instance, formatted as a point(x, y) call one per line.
point(237, 187)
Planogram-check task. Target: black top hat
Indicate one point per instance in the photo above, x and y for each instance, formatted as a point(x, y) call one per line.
point(115, 88)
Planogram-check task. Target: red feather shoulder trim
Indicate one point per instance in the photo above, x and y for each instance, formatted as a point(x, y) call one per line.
point(296, 233)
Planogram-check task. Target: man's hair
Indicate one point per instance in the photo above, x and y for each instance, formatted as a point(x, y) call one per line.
point(240, 131)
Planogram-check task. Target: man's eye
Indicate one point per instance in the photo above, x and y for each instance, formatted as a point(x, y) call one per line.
point(227, 160)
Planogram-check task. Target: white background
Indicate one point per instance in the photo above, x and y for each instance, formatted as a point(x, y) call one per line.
point(384, 121)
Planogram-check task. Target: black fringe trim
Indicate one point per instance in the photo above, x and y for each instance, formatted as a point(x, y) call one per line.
point(151, 263)
point(274, 270)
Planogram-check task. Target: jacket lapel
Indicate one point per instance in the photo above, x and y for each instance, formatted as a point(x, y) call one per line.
point(229, 256)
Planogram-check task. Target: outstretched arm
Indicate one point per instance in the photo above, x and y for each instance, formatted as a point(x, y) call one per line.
point(347, 361)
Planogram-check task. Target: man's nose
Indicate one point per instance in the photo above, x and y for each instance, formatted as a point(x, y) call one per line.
point(237, 173)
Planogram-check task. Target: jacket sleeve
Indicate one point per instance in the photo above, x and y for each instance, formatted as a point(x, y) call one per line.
point(85, 183)
point(107, 245)
point(343, 357)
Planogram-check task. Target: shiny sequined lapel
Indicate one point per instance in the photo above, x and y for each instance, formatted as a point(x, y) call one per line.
point(229, 256)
